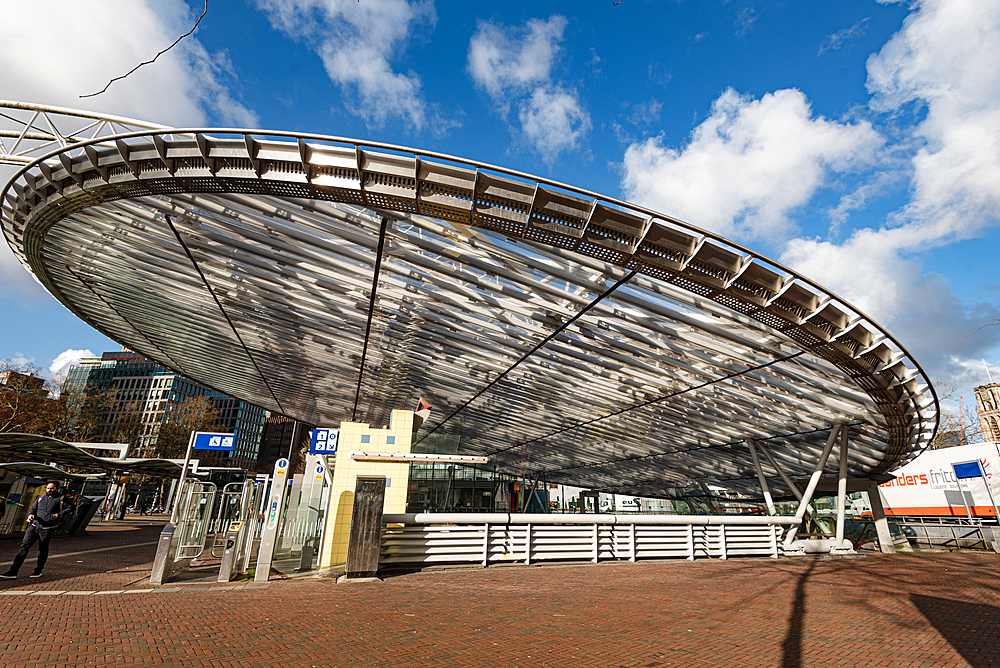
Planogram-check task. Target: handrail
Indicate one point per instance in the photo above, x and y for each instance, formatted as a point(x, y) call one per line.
point(584, 518)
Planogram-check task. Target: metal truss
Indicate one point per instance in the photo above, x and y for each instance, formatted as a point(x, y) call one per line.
point(569, 336)
point(28, 131)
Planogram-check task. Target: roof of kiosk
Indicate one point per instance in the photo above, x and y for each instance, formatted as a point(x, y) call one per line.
point(42, 449)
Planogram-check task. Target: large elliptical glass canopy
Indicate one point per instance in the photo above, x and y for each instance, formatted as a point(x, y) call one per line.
point(559, 332)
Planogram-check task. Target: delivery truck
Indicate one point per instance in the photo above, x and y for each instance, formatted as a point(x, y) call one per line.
point(928, 487)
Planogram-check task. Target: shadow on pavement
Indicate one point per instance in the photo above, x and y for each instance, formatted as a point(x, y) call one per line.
point(791, 648)
point(973, 629)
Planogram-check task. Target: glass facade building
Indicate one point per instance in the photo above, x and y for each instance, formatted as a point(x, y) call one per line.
point(154, 392)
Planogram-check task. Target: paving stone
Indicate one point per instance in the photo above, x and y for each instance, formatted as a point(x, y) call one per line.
point(901, 610)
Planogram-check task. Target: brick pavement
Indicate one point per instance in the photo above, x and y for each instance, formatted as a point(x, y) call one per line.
point(125, 548)
point(902, 610)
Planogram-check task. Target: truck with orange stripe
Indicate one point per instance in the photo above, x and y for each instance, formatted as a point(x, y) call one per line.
point(927, 486)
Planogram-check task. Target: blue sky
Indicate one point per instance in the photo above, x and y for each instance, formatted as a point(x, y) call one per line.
point(856, 141)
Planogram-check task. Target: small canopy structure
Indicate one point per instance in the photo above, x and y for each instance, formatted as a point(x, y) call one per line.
point(48, 449)
point(47, 472)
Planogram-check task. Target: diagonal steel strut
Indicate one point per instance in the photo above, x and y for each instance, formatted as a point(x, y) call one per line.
point(232, 325)
point(371, 311)
point(604, 295)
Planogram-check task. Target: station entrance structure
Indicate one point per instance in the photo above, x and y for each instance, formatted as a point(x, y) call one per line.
point(565, 335)
point(35, 460)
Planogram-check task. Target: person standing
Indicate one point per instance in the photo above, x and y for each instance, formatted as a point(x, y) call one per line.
point(43, 519)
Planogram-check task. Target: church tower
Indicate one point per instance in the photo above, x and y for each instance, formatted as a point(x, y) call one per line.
point(988, 408)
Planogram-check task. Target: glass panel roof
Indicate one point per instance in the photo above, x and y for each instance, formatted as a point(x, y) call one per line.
point(564, 337)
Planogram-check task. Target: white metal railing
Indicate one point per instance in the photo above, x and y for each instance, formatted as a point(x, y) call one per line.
point(494, 537)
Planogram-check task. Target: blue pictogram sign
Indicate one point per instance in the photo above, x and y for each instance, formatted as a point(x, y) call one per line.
point(207, 441)
point(967, 470)
point(324, 442)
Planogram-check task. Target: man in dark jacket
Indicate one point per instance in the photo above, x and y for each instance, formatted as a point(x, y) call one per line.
point(43, 519)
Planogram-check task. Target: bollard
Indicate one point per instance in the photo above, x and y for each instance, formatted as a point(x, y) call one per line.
point(229, 556)
point(163, 563)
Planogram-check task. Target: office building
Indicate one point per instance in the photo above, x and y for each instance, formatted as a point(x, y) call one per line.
point(154, 392)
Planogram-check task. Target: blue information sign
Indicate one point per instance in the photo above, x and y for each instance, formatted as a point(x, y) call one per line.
point(967, 470)
point(206, 441)
point(324, 442)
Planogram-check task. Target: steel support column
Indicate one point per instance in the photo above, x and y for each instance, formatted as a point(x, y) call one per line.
point(841, 546)
point(842, 485)
point(760, 476)
point(813, 481)
point(784, 477)
point(881, 523)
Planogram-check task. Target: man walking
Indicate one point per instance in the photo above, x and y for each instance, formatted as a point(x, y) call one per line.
point(43, 518)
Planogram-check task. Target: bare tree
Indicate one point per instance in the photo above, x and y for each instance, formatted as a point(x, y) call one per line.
point(84, 414)
point(25, 406)
point(128, 426)
point(959, 428)
point(194, 414)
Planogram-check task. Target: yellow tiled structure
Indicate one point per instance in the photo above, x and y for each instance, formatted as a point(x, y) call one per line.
point(360, 436)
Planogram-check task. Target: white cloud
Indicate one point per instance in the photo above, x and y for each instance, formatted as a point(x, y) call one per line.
point(745, 18)
point(514, 67)
point(66, 359)
point(918, 308)
point(874, 186)
point(514, 60)
point(748, 165)
point(553, 122)
point(837, 39)
point(752, 162)
point(356, 42)
point(645, 113)
point(944, 58)
point(19, 360)
point(640, 115)
point(53, 52)
point(970, 372)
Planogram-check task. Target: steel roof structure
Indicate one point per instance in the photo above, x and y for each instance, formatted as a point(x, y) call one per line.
point(46, 472)
point(48, 449)
point(560, 332)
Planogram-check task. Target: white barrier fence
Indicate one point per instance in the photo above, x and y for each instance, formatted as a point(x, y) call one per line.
point(495, 537)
